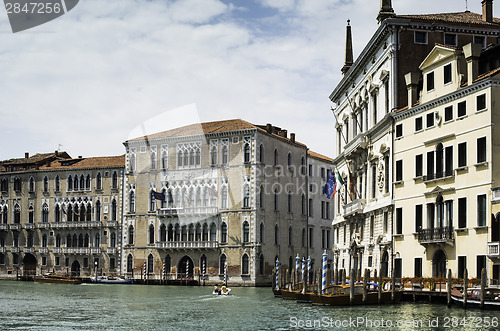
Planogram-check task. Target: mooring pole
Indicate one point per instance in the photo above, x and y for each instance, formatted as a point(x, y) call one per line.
point(448, 289)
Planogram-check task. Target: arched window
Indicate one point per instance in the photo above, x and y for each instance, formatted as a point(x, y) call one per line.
point(246, 196)
point(151, 233)
point(4, 185)
point(31, 215)
point(276, 199)
point(152, 158)
point(439, 212)
point(17, 214)
point(245, 264)
point(114, 180)
point(132, 160)
point(82, 182)
point(197, 235)
point(191, 232)
point(45, 184)
point(223, 233)
point(197, 156)
point(177, 233)
point(225, 154)
point(97, 240)
point(246, 232)
point(75, 183)
point(131, 202)
point(89, 213)
point(29, 239)
point(69, 213)
point(69, 183)
point(57, 214)
point(130, 263)
point(131, 235)
point(163, 203)
point(205, 232)
point(163, 233)
point(58, 240)
point(164, 160)
point(45, 213)
point(261, 232)
point(68, 241)
point(98, 211)
point(213, 232)
point(152, 201)
point(98, 181)
point(86, 241)
point(439, 160)
point(213, 155)
point(80, 241)
point(87, 182)
point(289, 160)
point(150, 263)
point(44, 240)
point(179, 158)
point(261, 197)
point(112, 241)
point(222, 263)
point(114, 210)
point(5, 215)
point(224, 196)
point(31, 184)
point(276, 159)
point(261, 153)
point(170, 233)
point(289, 202)
point(276, 234)
point(246, 153)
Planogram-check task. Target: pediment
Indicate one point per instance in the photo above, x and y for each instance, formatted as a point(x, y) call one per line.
point(438, 54)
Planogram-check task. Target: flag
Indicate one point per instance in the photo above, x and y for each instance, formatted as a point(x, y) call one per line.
point(159, 196)
point(341, 180)
point(330, 187)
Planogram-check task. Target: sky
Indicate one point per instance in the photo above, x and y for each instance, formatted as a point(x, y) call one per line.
point(107, 71)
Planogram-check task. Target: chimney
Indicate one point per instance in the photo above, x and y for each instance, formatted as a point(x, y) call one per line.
point(386, 11)
point(26, 155)
point(292, 137)
point(80, 157)
point(269, 128)
point(283, 133)
point(487, 10)
point(412, 79)
point(472, 52)
point(56, 153)
point(349, 59)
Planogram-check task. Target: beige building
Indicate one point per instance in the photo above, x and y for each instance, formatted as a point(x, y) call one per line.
point(234, 193)
point(60, 214)
point(372, 88)
point(446, 164)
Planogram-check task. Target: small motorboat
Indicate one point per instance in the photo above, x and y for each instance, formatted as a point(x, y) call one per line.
point(57, 279)
point(110, 280)
point(223, 290)
point(491, 297)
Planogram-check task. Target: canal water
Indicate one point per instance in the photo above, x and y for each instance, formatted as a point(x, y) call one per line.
point(33, 306)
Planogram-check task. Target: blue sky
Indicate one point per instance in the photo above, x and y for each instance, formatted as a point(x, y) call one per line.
point(91, 78)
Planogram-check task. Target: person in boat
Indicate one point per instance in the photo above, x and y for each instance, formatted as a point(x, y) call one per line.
point(217, 290)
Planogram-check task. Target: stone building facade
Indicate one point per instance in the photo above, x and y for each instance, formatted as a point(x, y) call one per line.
point(226, 192)
point(60, 214)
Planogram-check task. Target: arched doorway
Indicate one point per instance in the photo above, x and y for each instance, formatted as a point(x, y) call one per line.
point(75, 269)
point(384, 265)
point(29, 265)
point(439, 263)
point(185, 264)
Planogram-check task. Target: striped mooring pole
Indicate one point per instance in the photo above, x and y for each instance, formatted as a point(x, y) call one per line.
point(308, 270)
point(277, 273)
point(303, 275)
point(225, 273)
point(323, 276)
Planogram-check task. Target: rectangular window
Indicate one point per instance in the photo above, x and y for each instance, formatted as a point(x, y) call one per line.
point(430, 165)
point(462, 109)
point(310, 170)
point(462, 265)
point(480, 40)
point(481, 150)
point(322, 209)
point(419, 160)
point(447, 73)
point(448, 166)
point(480, 264)
point(44, 260)
point(420, 37)
point(462, 213)
point(57, 261)
point(399, 130)
point(430, 120)
point(322, 171)
point(481, 210)
point(399, 220)
point(328, 210)
point(430, 81)
point(85, 262)
point(448, 113)
point(418, 217)
point(418, 267)
point(310, 207)
point(450, 39)
point(399, 170)
point(372, 226)
point(311, 238)
point(462, 154)
point(481, 102)
point(418, 124)
point(398, 267)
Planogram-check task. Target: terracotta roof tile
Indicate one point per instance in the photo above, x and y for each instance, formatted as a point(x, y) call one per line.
point(319, 156)
point(466, 17)
point(91, 162)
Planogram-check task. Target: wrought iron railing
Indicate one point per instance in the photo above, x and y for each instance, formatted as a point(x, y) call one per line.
point(434, 235)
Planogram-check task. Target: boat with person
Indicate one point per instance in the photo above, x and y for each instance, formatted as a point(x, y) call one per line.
point(110, 280)
point(223, 290)
point(52, 278)
point(491, 297)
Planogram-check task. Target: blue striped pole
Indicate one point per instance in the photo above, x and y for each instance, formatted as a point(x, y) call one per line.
point(308, 269)
point(303, 275)
point(297, 266)
point(225, 273)
point(277, 273)
point(323, 276)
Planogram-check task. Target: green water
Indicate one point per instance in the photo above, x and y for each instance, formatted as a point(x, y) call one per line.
point(32, 306)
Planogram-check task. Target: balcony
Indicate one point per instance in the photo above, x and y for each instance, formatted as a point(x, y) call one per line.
point(2, 249)
point(354, 207)
point(95, 250)
point(112, 224)
point(15, 227)
point(28, 250)
point(44, 225)
point(80, 225)
point(359, 143)
point(441, 175)
point(14, 249)
point(3, 226)
point(43, 250)
point(29, 226)
point(111, 250)
point(436, 235)
point(172, 212)
point(57, 250)
point(187, 244)
point(494, 249)
point(76, 250)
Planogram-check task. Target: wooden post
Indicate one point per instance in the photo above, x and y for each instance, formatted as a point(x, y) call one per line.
point(365, 289)
point(380, 287)
point(483, 286)
point(336, 277)
point(466, 284)
point(393, 286)
point(328, 278)
point(351, 287)
point(343, 277)
point(448, 289)
point(287, 273)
